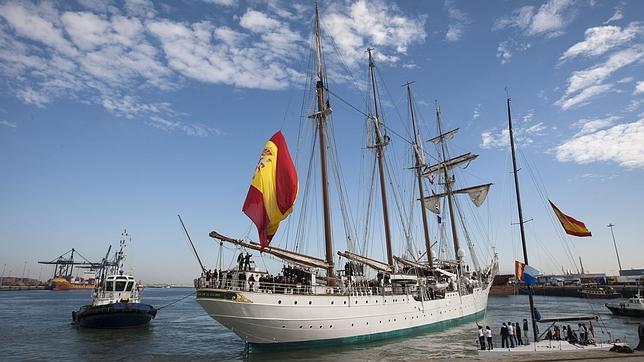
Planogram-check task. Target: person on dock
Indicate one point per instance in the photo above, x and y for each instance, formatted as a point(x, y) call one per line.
point(517, 334)
point(481, 338)
point(557, 333)
point(525, 331)
point(488, 336)
point(511, 335)
point(504, 336)
point(582, 335)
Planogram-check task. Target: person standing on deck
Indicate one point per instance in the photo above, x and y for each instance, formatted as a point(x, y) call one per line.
point(482, 338)
point(525, 331)
point(488, 336)
point(517, 333)
point(504, 336)
point(511, 334)
point(240, 261)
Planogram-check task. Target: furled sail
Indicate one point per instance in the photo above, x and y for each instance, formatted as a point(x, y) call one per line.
point(451, 163)
point(445, 136)
point(410, 263)
point(375, 264)
point(477, 194)
point(296, 258)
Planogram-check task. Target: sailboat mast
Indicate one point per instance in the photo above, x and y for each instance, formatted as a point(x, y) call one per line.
point(518, 194)
point(322, 113)
point(448, 186)
point(380, 143)
point(419, 174)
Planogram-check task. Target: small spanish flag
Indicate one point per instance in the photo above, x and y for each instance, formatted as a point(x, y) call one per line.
point(571, 225)
point(273, 190)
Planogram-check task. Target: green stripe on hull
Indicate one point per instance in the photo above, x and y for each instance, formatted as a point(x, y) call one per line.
point(438, 326)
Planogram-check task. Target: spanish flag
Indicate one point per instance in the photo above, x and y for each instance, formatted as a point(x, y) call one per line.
point(273, 191)
point(571, 225)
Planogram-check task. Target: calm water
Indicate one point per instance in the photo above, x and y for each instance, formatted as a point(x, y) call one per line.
point(36, 325)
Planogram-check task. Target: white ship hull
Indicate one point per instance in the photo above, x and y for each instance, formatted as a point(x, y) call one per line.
point(265, 319)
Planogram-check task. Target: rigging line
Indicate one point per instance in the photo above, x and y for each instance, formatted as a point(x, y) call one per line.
point(383, 84)
point(388, 129)
point(543, 196)
point(178, 300)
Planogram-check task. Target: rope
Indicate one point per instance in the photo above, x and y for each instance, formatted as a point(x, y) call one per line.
point(178, 300)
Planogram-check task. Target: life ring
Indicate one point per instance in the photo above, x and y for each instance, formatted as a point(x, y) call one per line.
point(328, 290)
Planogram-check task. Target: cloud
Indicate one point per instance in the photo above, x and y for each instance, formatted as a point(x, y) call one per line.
point(582, 97)
point(588, 126)
point(507, 48)
point(122, 59)
point(616, 16)
point(8, 124)
point(639, 87)
point(621, 144)
point(374, 24)
point(222, 2)
point(477, 112)
point(522, 135)
point(458, 21)
point(549, 20)
point(600, 39)
point(589, 82)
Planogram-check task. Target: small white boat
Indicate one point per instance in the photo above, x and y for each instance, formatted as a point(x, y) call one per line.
point(632, 307)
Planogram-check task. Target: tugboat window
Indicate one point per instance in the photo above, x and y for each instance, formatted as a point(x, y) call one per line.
point(129, 287)
point(109, 286)
point(120, 286)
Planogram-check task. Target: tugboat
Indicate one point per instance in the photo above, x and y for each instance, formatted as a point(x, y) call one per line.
point(116, 298)
point(633, 307)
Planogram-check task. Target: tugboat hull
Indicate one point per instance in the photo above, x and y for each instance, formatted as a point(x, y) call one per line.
point(117, 315)
point(624, 311)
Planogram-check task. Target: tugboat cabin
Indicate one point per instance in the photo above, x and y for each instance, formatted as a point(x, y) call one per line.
point(117, 288)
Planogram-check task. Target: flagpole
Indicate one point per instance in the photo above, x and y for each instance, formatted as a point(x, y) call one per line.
point(518, 196)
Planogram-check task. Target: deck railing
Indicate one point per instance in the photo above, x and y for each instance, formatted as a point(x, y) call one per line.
point(288, 288)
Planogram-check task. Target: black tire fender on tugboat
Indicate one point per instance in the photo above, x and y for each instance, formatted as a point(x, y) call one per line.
point(74, 316)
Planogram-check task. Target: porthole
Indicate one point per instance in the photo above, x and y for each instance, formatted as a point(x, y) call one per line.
point(283, 326)
point(351, 324)
point(331, 326)
point(309, 302)
point(356, 302)
point(367, 323)
point(367, 302)
point(295, 302)
point(376, 301)
point(331, 302)
point(320, 326)
point(310, 326)
point(279, 302)
point(300, 327)
point(345, 302)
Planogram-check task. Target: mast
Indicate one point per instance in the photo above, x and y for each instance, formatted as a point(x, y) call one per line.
point(518, 194)
point(419, 174)
point(380, 143)
point(448, 186)
point(321, 116)
point(611, 226)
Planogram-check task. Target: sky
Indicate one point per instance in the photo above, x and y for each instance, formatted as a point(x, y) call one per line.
point(123, 114)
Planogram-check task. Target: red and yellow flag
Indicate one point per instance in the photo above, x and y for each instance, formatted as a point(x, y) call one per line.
point(571, 225)
point(273, 190)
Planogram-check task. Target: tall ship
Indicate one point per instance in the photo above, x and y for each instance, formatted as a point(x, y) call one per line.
point(315, 301)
